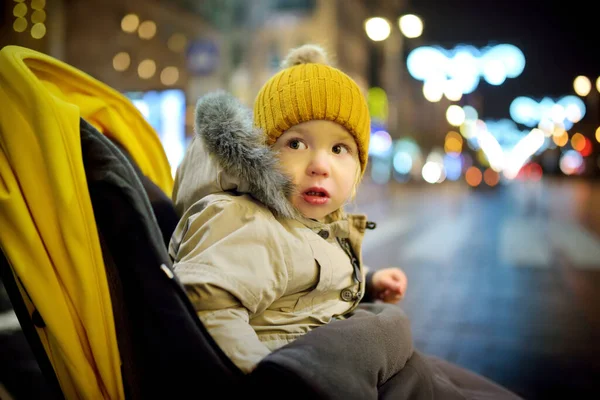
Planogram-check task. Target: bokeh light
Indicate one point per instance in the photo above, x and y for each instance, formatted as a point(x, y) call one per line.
point(465, 65)
point(121, 61)
point(410, 25)
point(473, 176)
point(38, 31)
point(147, 30)
point(582, 85)
point(377, 29)
point(130, 23)
point(169, 76)
point(455, 115)
point(146, 69)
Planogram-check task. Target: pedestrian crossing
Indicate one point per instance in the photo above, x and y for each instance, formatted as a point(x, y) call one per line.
point(525, 243)
point(440, 242)
point(522, 241)
point(579, 245)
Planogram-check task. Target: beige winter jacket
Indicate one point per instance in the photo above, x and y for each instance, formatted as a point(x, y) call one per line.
point(258, 274)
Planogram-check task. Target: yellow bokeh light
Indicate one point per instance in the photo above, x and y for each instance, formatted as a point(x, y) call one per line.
point(377, 29)
point(454, 134)
point(38, 31)
point(147, 30)
point(598, 84)
point(146, 69)
point(38, 16)
point(38, 4)
point(561, 139)
point(130, 23)
point(20, 25)
point(582, 85)
point(452, 145)
point(169, 76)
point(20, 10)
point(453, 142)
point(578, 141)
point(177, 42)
point(121, 61)
point(598, 134)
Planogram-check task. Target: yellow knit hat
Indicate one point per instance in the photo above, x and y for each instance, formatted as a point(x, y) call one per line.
point(307, 89)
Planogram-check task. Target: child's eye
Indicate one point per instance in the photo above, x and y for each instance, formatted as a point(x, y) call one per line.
point(296, 144)
point(340, 149)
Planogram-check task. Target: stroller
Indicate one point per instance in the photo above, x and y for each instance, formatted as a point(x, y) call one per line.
point(86, 215)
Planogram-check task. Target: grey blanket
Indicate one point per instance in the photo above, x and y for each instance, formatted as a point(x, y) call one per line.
point(370, 356)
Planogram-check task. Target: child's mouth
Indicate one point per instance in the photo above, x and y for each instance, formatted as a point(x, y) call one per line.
point(316, 197)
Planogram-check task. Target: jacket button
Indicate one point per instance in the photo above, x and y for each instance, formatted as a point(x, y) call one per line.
point(324, 234)
point(347, 295)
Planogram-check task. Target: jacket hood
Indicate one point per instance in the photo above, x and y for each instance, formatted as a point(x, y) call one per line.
point(228, 154)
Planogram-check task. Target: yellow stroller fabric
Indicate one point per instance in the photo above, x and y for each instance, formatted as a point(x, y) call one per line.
point(48, 232)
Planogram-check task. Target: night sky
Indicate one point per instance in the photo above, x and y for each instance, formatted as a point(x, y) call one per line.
point(559, 42)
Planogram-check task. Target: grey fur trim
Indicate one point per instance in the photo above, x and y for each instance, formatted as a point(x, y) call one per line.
point(226, 127)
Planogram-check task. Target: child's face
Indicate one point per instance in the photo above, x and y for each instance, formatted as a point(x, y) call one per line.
point(322, 158)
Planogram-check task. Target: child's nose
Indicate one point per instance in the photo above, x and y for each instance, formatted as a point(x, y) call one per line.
point(319, 165)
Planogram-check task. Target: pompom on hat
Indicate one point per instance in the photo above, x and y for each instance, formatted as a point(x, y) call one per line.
point(309, 88)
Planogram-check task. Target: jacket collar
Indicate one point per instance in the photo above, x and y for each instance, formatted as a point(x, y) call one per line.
point(228, 154)
point(354, 225)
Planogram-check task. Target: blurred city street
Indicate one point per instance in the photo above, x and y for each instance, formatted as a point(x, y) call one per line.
point(503, 282)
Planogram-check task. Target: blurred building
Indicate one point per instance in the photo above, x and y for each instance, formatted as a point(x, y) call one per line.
point(338, 25)
point(172, 52)
point(279, 26)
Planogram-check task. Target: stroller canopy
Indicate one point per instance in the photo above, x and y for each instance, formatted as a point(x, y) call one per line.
point(48, 227)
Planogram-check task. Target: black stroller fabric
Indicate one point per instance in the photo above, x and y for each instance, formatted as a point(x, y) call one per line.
point(164, 348)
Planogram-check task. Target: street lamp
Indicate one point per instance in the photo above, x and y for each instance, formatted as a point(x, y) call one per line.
point(410, 25)
point(379, 29)
point(386, 58)
point(583, 86)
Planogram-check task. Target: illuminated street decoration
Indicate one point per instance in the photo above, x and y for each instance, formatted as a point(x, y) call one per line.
point(506, 132)
point(506, 148)
point(460, 69)
point(529, 112)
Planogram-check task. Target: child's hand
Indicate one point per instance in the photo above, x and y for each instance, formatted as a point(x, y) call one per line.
point(389, 285)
